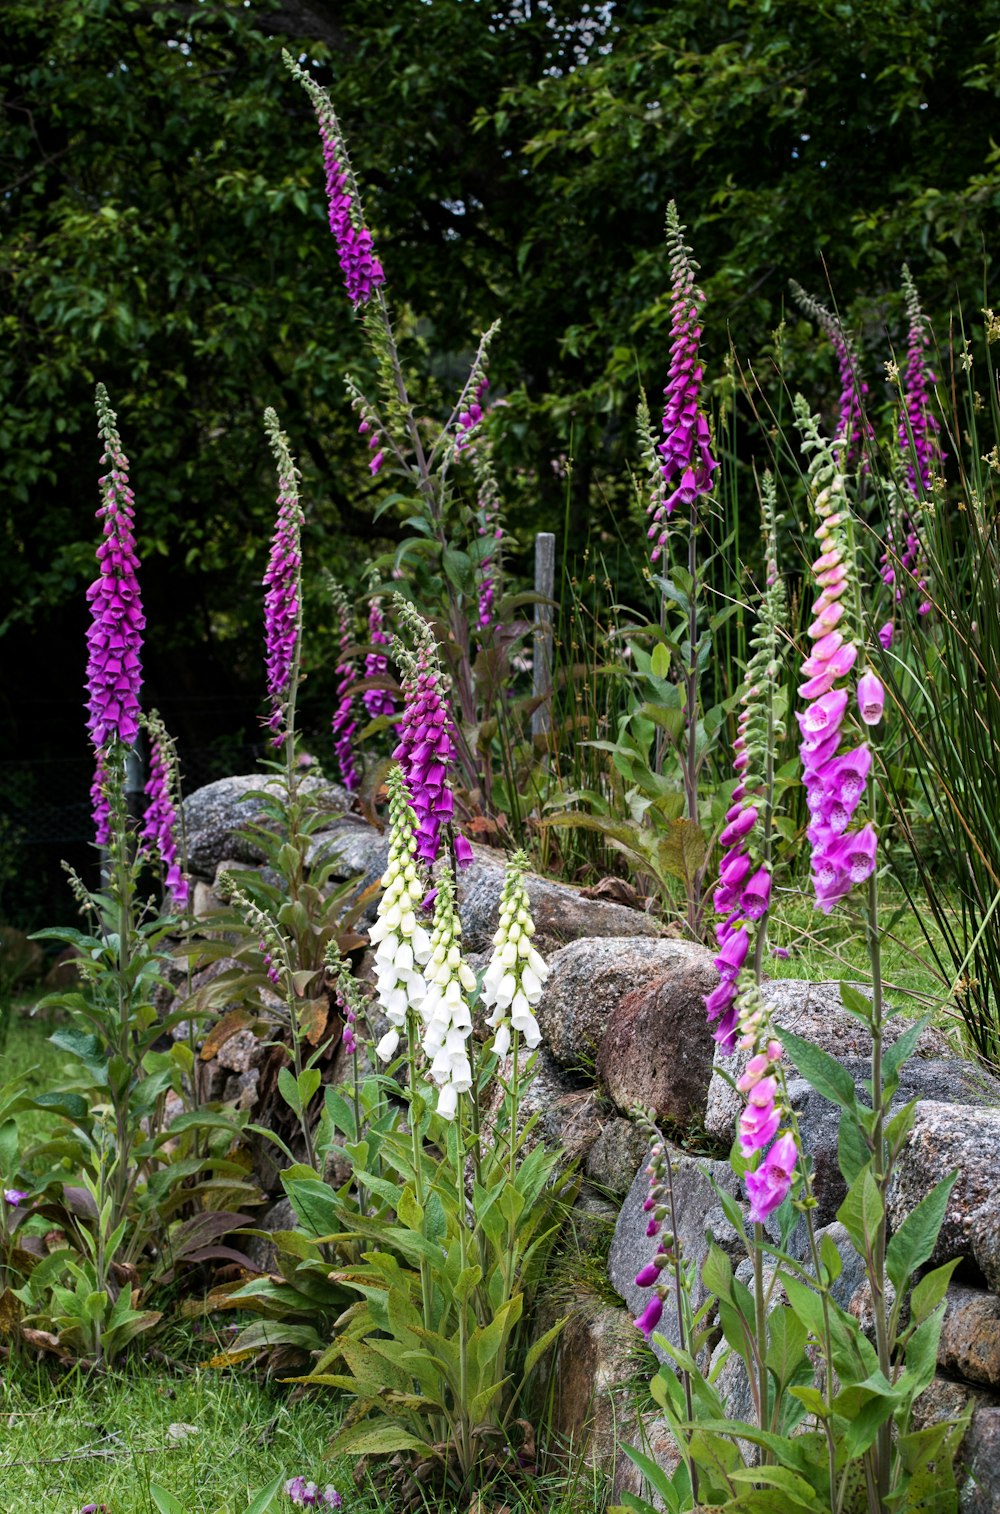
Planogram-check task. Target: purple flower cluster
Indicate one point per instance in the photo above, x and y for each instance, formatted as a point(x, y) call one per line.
point(919, 430)
point(307, 1495)
point(687, 466)
point(853, 426)
point(366, 428)
point(361, 268)
point(426, 751)
point(344, 724)
point(100, 807)
point(426, 747)
point(114, 638)
point(159, 826)
point(283, 597)
point(377, 701)
point(834, 779)
point(469, 419)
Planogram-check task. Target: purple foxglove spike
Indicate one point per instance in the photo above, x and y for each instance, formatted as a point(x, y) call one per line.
point(377, 701)
point(688, 464)
point(871, 698)
point(114, 675)
point(282, 598)
point(650, 1316)
point(158, 834)
point(344, 725)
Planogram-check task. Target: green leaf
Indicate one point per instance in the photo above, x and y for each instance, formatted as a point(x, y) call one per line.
point(308, 1082)
point(824, 1072)
point(915, 1239)
point(165, 1502)
point(289, 1090)
point(539, 1347)
point(852, 1153)
point(931, 1289)
point(902, 1049)
point(660, 661)
point(368, 1439)
point(265, 1498)
point(856, 1003)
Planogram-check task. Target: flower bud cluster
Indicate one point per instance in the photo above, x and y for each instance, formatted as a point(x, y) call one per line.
point(377, 701)
point(688, 463)
point(100, 807)
point(348, 995)
point(402, 945)
point(271, 945)
point(283, 583)
point(834, 779)
point(516, 973)
point(159, 825)
point(344, 725)
point(489, 505)
point(114, 638)
point(743, 896)
point(444, 1008)
point(362, 271)
point(656, 1205)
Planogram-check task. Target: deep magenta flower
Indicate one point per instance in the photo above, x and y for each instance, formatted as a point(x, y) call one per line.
point(283, 585)
point(114, 639)
point(650, 1316)
point(158, 835)
point(871, 698)
point(853, 426)
point(919, 429)
point(377, 701)
point(688, 464)
point(769, 1185)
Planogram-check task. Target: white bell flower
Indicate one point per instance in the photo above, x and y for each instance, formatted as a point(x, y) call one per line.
point(513, 981)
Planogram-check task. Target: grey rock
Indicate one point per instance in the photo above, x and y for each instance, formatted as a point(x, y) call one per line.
point(852, 1273)
point(980, 1457)
point(241, 1089)
point(946, 1138)
point(214, 815)
point(241, 1052)
point(631, 1248)
point(589, 980)
point(567, 1115)
point(970, 1336)
point(261, 1249)
point(813, 1011)
point(595, 1411)
point(615, 1155)
point(656, 1052)
point(350, 848)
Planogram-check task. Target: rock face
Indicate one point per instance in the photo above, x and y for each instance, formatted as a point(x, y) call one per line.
point(596, 1412)
point(813, 1011)
point(656, 1052)
point(590, 979)
point(970, 1337)
point(949, 1137)
point(616, 1153)
point(214, 815)
point(631, 1248)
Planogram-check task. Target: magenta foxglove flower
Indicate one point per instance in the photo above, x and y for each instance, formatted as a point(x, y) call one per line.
point(650, 1317)
point(769, 1185)
point(871, 698)
point(920, 429)
point(283, 585)
point(688, 464)
point(158, 835)
point(114, 639)
point(853, 427)
point(377, 701)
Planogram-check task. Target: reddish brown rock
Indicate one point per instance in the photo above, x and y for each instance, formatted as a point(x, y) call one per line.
point(656, 1052)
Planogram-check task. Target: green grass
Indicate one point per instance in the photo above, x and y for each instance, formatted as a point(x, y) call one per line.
point(211, 1438)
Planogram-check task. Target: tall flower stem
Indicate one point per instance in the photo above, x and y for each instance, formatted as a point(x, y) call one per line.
point(416, 1148)
point(682, 1330)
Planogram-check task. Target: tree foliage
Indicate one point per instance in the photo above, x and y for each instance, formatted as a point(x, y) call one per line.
point(163, 229)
